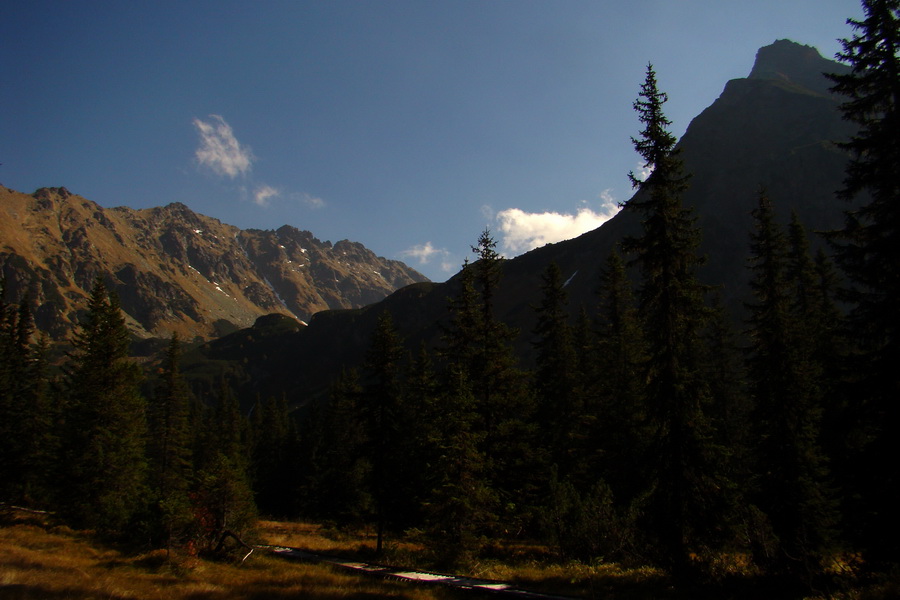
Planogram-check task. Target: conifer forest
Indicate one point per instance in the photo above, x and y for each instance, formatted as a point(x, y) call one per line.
point(653, 427)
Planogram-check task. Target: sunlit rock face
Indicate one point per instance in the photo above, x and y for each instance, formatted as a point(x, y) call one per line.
point(175, 270)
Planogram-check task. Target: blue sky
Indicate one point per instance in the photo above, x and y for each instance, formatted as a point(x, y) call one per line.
point(409, 126)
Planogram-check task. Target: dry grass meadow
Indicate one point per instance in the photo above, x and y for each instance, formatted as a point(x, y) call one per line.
point(40, 559)
point(47, 562)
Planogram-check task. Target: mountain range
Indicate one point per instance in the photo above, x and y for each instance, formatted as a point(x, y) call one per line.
point(175, 270)
point(774, 130)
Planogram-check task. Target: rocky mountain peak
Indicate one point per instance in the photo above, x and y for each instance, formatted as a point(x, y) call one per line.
point(48, 193)
point(174, 269)
point(795, 63)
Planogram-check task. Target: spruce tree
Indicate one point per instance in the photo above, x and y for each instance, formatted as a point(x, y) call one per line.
point(868, 250)
point(40, 436)
point(419, 442)
point(559, 405)
point(731, 404)
point(497, 383)
point(169, 448)
point(461, 333)
point(477, 346)
point(618, 436)
point(26, 415)
point(309, 459)
point(504, 400)
point(587, 377)
point(105, 442)
point(381, 410)
point(223, 498)
point(790, 467)
point(344, 467)
point(459, 504)
point(683, 505)
point(817, 317)
point(12, 374)
point(274, 460)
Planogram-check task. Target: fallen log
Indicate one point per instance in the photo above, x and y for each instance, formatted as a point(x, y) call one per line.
point(230, 534)
point(31, 511)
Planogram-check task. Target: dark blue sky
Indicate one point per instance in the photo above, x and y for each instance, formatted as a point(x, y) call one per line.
point(408, 126)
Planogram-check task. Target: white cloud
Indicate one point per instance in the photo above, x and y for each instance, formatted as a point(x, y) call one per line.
point(424, 253)
point(522, 231)
point(607, 199)
point(311, 201)
point(642, 172)
point(421, 252)
point(264, 193)
point(219, 149)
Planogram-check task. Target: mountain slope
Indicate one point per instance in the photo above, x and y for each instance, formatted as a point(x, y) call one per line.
point(176, 270)
point(769, 131)
point(774, 129)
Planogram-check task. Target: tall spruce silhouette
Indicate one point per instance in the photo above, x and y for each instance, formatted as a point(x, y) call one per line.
point(868, 250)
point(169, 448)
point(381, 407)
point(790, 467)
point(683, 489)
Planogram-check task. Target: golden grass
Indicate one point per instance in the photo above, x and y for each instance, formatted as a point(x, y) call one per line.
point(529, 566)
point(42, 561)
point(336, 542)
point(535, 567)
point(38, 561)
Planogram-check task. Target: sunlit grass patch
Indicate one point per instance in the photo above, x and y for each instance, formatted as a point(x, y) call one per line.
point(40, 562)
point(528, 565)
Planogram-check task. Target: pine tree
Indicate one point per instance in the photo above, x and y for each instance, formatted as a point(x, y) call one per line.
point(503, 399)
point(381, 412)
point(26, 416)
point(478, 347)
point(587, 379)
point(274, 458)
point(813, 286)
point(222, 497)
point(684, 500)
point(619, 436)
point(460, 335)
point(868, 250)
point(791, 470)
point(419, 442)
point(105, 441)
point(169, 448)
point(460, 500)
point(344, 467)
point(309, 459)
point(839, 417)
point(559, 405)
point(496, 381)
point(731, 404)
point(12, 373)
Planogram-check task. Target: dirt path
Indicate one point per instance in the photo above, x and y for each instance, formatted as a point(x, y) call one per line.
point(499, 588)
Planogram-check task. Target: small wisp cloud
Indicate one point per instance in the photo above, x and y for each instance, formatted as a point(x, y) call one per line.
point(425, 253)
point(222, 153)
point(264, 193)
point(421, 252)
point(643, 172)
point(220, 150)
point(310, 201)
